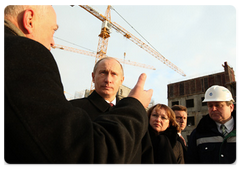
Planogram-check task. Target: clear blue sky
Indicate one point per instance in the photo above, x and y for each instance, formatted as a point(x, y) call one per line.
point(196, 38)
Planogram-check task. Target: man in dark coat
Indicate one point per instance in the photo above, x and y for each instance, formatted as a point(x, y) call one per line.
point(108, 76)
point(181, 117)
point(214, 139)
point(40, 125)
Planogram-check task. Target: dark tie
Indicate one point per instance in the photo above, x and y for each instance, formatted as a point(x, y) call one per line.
point(224, 131)
point(111, 104)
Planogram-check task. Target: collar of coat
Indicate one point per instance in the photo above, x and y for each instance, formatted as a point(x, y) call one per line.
point(206, 124)
point(99, 102)
point(170, 133)
point(12, 28)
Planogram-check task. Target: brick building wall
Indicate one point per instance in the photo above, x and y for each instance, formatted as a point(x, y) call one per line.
point(190, 93)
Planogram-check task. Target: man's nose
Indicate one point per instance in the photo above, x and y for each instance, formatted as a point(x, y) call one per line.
point(214, 108)
point(108, 78)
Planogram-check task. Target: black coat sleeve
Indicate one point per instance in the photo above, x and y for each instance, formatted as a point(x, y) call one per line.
point(41, 126)
point(95, 105)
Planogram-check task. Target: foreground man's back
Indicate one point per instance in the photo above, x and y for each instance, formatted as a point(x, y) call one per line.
point(41, 126)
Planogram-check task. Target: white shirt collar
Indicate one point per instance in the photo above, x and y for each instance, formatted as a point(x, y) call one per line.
point(113, 102)
point(229, 125)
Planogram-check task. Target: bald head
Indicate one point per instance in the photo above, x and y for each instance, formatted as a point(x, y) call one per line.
point(37, 22)
point(12, 11)
point(107, 58)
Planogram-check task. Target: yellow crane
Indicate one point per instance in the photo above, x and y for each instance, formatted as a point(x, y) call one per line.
point(107, 25)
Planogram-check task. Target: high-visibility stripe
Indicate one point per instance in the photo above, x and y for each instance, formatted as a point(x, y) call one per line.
point(231, 139)
point(215, 139)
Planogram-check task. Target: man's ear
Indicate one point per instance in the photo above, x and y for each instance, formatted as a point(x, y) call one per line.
point(122, 80)
point(231, 108)
point(28, 20)
point(93, 77)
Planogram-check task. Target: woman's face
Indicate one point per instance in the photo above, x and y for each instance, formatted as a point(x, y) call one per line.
point(159, 120)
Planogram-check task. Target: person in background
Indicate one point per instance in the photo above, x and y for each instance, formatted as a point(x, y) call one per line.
point(108, 76)
point(163, 130)
point(181, 118)
point(214, 139)
point(40, 125)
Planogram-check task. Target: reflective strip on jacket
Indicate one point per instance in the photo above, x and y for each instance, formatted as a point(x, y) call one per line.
point(207, 145)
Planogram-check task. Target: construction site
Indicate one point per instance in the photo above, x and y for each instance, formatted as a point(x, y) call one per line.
point(106, 30)
point(188, 92)
point(97, 84)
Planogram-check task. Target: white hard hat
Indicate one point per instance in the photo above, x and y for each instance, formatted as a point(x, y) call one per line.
point(217, 93)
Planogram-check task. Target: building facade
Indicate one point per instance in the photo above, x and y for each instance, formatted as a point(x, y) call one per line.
point(123, 91)
point(190, 93)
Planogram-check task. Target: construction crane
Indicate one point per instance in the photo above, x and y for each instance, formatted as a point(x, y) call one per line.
point(107, 25)
point(84, 52)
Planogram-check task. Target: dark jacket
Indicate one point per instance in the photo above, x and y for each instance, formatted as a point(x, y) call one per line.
point(184, 147)
point(41, 126)
point(95, 105)
point(167, 149)
point(207, 145)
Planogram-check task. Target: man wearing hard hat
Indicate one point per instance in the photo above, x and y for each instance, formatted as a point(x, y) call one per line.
point(214, 139)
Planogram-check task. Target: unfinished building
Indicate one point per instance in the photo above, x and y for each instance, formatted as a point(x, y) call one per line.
point(190, 93)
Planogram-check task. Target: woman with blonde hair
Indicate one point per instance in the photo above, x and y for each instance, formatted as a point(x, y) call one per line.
point(163, 129)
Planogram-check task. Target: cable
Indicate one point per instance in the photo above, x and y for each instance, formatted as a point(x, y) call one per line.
point(134, 29)
point(74, 44)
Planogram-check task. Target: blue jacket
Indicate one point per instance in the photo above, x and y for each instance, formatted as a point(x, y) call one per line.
point(207, 145)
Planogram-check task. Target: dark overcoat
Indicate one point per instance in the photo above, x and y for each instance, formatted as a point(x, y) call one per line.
point(95, 105)
point(184, 147)
point(41, 126)
point(167, 149)
point(208, 146)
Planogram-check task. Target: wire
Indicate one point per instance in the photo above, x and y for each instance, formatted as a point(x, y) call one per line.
point(74, 44)
point(134, 29)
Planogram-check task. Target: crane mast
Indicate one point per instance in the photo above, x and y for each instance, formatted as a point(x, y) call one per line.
point(105, 30)
point(125, 33)
point(104, 36)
